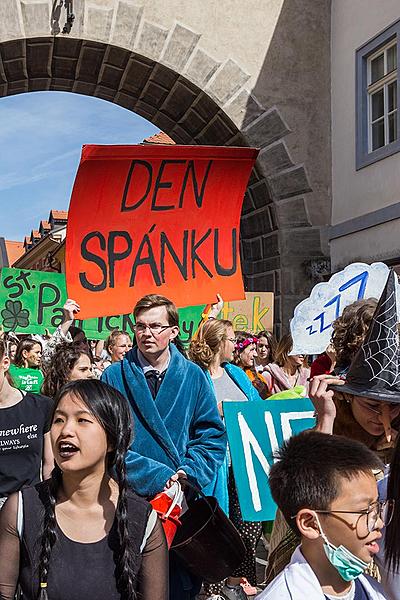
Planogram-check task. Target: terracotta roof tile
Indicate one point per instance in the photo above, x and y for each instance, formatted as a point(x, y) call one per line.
point(45, 225)
point(14, 251)
point(159, 138)
point(35, 234)
point(58, 215)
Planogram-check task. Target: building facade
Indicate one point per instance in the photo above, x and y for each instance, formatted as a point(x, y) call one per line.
point(41, 247)
point(10, 251)
point(313, 83)
point(365, 223)
point(216, 72)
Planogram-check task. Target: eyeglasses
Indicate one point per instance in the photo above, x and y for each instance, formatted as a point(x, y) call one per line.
point(378, 411)
point(383, 510)
point(154, 328)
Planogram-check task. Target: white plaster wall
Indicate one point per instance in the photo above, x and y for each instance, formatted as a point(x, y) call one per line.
point(355, 193)
point(379, 243)
point(229, 28)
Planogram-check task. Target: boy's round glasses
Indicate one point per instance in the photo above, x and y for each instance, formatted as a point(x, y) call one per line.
point(383, 510)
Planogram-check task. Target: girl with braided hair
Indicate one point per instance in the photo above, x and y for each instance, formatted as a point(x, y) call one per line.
point(84, 533)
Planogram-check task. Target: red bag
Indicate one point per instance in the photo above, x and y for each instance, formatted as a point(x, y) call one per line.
point(168, 506)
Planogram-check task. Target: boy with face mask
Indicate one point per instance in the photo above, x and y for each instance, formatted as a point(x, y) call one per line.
point(325, 488)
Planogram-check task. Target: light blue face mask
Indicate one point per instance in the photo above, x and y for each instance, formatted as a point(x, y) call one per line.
point(348, 566)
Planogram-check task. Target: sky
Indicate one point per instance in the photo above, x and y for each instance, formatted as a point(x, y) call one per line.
point(41, 136)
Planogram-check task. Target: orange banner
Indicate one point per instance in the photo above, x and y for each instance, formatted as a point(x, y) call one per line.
point(155, 219)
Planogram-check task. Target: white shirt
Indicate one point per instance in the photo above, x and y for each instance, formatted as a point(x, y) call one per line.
point(298, 582)
point(349, 596)
point(146, 366)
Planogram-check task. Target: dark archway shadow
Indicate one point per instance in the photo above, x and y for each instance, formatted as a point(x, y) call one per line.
point(292, 202)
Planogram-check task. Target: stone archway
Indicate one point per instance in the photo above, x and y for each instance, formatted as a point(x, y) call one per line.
point(162, 73)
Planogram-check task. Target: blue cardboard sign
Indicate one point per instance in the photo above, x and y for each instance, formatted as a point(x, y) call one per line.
point(255, 431)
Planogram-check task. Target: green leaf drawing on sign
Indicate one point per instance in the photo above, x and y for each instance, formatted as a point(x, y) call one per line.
point(43, 295)
point(14, 315)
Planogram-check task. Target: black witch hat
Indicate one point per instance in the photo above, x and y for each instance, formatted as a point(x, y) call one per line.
point(375, 369)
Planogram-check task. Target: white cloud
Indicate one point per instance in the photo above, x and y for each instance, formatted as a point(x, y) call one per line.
point(55, 159)
point(41, 136)
point(10, 180)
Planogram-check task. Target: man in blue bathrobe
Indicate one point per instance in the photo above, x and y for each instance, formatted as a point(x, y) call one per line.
point(178, 432)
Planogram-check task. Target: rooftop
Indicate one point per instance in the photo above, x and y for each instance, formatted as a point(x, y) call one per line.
point(58, 215)
point(13, 250)
point(159, 138)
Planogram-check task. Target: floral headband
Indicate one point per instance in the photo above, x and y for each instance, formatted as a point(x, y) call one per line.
point(246, 342)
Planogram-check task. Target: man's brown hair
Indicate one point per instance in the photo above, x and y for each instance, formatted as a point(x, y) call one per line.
point(154, 300)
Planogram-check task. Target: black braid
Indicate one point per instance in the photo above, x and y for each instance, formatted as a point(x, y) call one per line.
point(126, 560)
point(49, 535)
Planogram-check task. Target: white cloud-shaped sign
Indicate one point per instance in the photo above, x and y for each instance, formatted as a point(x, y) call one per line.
point(311, 326)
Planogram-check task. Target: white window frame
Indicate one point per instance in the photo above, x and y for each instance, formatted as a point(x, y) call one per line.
point(364, 154)
point(373, 88)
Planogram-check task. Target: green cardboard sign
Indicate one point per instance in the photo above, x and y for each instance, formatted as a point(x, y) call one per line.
point(31, 301)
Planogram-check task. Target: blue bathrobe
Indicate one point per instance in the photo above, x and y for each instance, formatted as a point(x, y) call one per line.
point(180, 429)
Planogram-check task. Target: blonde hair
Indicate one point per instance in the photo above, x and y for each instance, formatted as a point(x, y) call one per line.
point(207, 344)
point(112, 338)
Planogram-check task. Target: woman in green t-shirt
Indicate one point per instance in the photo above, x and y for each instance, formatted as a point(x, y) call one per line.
point(25, 449)
point(25, 371)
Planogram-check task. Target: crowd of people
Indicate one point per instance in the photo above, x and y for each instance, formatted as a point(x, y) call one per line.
point(92, 431)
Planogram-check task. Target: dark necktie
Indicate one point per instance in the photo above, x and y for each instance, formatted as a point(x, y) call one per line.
point(154, 380)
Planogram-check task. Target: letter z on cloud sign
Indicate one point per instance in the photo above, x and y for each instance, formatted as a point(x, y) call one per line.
point(155, 219)
point(255, 431)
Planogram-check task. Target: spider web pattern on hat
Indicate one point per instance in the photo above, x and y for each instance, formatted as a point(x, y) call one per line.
point(382, 353)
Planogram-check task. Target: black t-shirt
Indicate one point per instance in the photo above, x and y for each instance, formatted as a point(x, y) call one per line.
point(88, 570)
point(22, 427)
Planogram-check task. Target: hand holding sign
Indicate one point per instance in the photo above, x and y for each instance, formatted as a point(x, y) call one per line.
point(33, 301)
point(331, 353)
point(147, 219)
point(70, 310)
point(216, 307)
